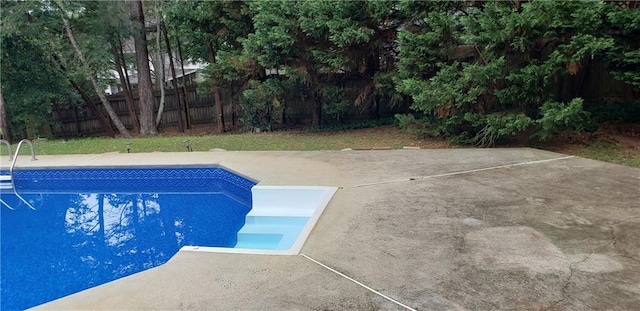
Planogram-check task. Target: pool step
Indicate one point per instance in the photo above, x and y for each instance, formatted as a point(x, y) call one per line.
point(265, 232)
point(282, 217)
point(294, 201)
point(5, 182)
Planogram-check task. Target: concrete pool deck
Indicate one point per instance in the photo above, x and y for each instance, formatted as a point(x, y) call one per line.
point(450, 229)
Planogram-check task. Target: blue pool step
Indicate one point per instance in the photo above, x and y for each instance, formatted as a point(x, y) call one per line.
point(282, 217)
point(280, 220)
point(5, 182)
point(270, 232)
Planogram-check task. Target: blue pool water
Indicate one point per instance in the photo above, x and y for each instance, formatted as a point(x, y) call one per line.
point(273, 233)
point(92, 226)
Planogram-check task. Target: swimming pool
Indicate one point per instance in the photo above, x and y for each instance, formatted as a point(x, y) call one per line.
point(95, 225)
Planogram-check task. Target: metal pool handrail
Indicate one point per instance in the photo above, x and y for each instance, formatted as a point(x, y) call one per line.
point(13, 164)
point(4, 141)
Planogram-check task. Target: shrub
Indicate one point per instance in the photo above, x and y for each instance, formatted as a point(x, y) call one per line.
point(262, 103)
point(560, 117)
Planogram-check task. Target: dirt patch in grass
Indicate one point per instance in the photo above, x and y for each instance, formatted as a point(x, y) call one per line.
point(616, 143)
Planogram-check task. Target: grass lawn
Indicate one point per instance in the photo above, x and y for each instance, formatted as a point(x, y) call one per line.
point(380, 137)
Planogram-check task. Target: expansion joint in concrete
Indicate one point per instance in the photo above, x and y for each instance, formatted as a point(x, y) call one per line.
point(359, 283)
point(231, 154)
point(456, 173)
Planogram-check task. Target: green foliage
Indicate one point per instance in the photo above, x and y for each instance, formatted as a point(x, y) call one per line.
point(624, 56)
point(198, 23)
point(38, 60)
point(335, 101)
point(478, 72)
point(262, 104)
point(495, 126)
point(276, 32)
point(344, 126)
point(558, 117)
point(31, 82)
point(319, 44)
point(412, 125)
point(614, 112)
point(431, 126)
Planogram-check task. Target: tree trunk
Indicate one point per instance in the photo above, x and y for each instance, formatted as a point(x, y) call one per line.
point(87, 100)
point(186, 94)
point(145, 86)
point(4, 120)
point(93, 108)
point(128, 97)
point(174, 81)
point(219, 111)
point(94, 81)
point(216, 91)
point(127, 86)
point(160, 71)
point(317, 110)
point(316, 96)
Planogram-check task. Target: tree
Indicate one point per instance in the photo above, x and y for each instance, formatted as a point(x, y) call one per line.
point(482, 71)
point(35, 75)
point(4, 121)
point(44, 70)
point(280, 44)
point(27, 97)
point(174, 80)
point(94, 81)
point(123, 76)
point(325, 45)
point(361, 37)
point(214, 27)
point(112, 19)
point(145, 86)
point(159, 67)
point(622, 20)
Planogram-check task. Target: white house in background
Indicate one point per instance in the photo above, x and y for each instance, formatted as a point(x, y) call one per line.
point(192, 74)
point(192, 71)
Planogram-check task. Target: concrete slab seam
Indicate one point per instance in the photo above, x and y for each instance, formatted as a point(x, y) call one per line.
point(375, 183)
point(458, 173)
point(358, 283)
point(231, 153)
point(493, 168)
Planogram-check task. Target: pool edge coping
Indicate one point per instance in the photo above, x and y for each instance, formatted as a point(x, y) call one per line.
point(303, 236)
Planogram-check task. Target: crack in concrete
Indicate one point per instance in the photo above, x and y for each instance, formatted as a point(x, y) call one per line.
point(612, 242)
point(614, 239)
point(565, 287)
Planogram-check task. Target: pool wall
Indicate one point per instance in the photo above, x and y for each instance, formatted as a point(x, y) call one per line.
point(146, 179)
point(275, 220)
point(279, 222)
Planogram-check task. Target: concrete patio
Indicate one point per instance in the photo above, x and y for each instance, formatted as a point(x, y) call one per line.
point(451, 229)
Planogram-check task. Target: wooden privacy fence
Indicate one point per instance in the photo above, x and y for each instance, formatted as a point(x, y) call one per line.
point(81, 121)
